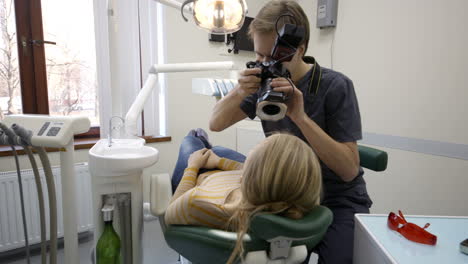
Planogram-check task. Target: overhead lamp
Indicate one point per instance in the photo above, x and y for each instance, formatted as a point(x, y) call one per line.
point(218, 16)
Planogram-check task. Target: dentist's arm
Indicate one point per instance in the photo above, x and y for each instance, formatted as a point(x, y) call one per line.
point(227, 111)
point(341, 157)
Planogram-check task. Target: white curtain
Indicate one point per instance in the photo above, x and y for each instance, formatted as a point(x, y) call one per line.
point(153, 52)
point(126, 47)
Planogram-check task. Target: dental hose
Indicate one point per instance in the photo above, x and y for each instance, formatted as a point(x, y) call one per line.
point(25, 136)
point(8, 138)
point(40, 195)
point(23, 213)
point(52, 202)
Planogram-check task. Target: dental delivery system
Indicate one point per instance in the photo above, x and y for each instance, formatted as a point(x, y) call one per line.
point(35, 132)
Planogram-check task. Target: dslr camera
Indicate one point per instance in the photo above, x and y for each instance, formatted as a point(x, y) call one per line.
point(271, 105)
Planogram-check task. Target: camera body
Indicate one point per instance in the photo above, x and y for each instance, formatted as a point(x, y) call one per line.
point(271, 105)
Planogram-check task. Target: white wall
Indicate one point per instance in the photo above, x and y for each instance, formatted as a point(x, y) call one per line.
point(409, 64)
point(392, 50)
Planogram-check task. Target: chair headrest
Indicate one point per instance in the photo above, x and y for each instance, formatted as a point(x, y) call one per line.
point(269, 226)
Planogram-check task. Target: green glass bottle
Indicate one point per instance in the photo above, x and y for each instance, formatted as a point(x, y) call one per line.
point(108, 246)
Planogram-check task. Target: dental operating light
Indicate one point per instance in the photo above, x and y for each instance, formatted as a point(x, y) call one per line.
point(215, 16)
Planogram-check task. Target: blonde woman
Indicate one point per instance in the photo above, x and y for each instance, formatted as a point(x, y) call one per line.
point(281, 176)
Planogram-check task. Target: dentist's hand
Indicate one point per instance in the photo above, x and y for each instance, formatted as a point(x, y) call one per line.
point(248, 82)
point(198, 158)
point(213, 160)
point(295, 102)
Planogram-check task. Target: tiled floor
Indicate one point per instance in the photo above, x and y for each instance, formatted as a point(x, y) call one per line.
point(155, 249)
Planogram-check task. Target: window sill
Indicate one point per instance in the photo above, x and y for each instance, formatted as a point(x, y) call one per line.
point(81, 143)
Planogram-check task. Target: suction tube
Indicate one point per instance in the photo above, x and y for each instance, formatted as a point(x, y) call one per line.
point(52, 202)
point(40, 196)
point(23, 213)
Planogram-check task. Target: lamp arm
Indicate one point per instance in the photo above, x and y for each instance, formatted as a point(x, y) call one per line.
point(145, 92)
point(176, 4)
point(137, 105)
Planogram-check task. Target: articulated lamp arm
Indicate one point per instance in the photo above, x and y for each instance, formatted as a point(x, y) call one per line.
point(176, 4)
point(132, 115)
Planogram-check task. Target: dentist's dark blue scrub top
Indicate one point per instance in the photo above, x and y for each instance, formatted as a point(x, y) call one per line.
point(333, 105)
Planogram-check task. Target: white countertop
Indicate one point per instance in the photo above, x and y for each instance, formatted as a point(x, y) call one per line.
point(450, 231)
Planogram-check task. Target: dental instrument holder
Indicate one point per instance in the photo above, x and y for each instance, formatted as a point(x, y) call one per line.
point(58, 132)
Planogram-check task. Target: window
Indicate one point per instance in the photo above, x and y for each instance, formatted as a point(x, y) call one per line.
point(71, 63)
point(10, 93)
point(47, 60)
point(53, 62)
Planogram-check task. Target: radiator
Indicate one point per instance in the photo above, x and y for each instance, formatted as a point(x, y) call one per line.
point(11, 225)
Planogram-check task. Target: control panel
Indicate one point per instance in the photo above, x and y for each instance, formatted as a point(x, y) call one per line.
point(50, 131)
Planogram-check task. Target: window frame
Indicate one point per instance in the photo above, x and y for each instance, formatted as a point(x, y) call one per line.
point(32, 61)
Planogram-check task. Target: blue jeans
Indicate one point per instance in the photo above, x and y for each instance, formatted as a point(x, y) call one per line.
point(191, 144)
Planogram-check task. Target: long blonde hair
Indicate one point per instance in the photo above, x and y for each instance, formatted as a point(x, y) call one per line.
point(281, 176)
point(264, 22)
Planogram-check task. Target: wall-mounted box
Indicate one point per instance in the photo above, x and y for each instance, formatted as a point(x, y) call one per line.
point(327, 11)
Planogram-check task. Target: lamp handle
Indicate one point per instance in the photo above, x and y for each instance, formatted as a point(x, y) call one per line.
point(182, 8)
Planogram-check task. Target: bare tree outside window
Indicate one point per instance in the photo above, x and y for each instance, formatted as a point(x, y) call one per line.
point(10, 98)
point(69, 87)
point(71, 64)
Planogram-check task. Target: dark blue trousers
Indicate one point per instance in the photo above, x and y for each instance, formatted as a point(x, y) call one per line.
point(337, 245)
point(191, 144)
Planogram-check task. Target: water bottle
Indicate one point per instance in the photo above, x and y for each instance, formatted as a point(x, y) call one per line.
point(108, 246)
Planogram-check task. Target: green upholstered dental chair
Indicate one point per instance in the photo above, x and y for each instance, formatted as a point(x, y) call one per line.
point(270, 238)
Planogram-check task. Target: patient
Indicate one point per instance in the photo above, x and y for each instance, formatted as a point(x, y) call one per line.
point(278, 177)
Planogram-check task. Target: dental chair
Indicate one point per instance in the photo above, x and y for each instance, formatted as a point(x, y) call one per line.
point(271, 239)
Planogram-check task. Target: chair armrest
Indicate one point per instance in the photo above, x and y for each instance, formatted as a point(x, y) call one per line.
point(373, 159)
point(160, 193)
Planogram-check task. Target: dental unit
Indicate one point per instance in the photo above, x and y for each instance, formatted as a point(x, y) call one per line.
point(36, 132)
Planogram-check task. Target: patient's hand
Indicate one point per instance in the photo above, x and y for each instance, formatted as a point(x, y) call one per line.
point(213, 161)
point(199, 158)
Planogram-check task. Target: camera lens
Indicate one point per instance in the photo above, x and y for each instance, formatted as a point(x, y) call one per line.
point(271, 109)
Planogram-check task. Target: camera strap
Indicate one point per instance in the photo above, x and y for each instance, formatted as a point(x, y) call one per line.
point(316, 76)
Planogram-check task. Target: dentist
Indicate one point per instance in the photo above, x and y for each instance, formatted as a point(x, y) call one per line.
point(322, 110)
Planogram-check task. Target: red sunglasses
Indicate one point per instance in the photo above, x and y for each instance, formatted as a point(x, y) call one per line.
point(409, 230)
